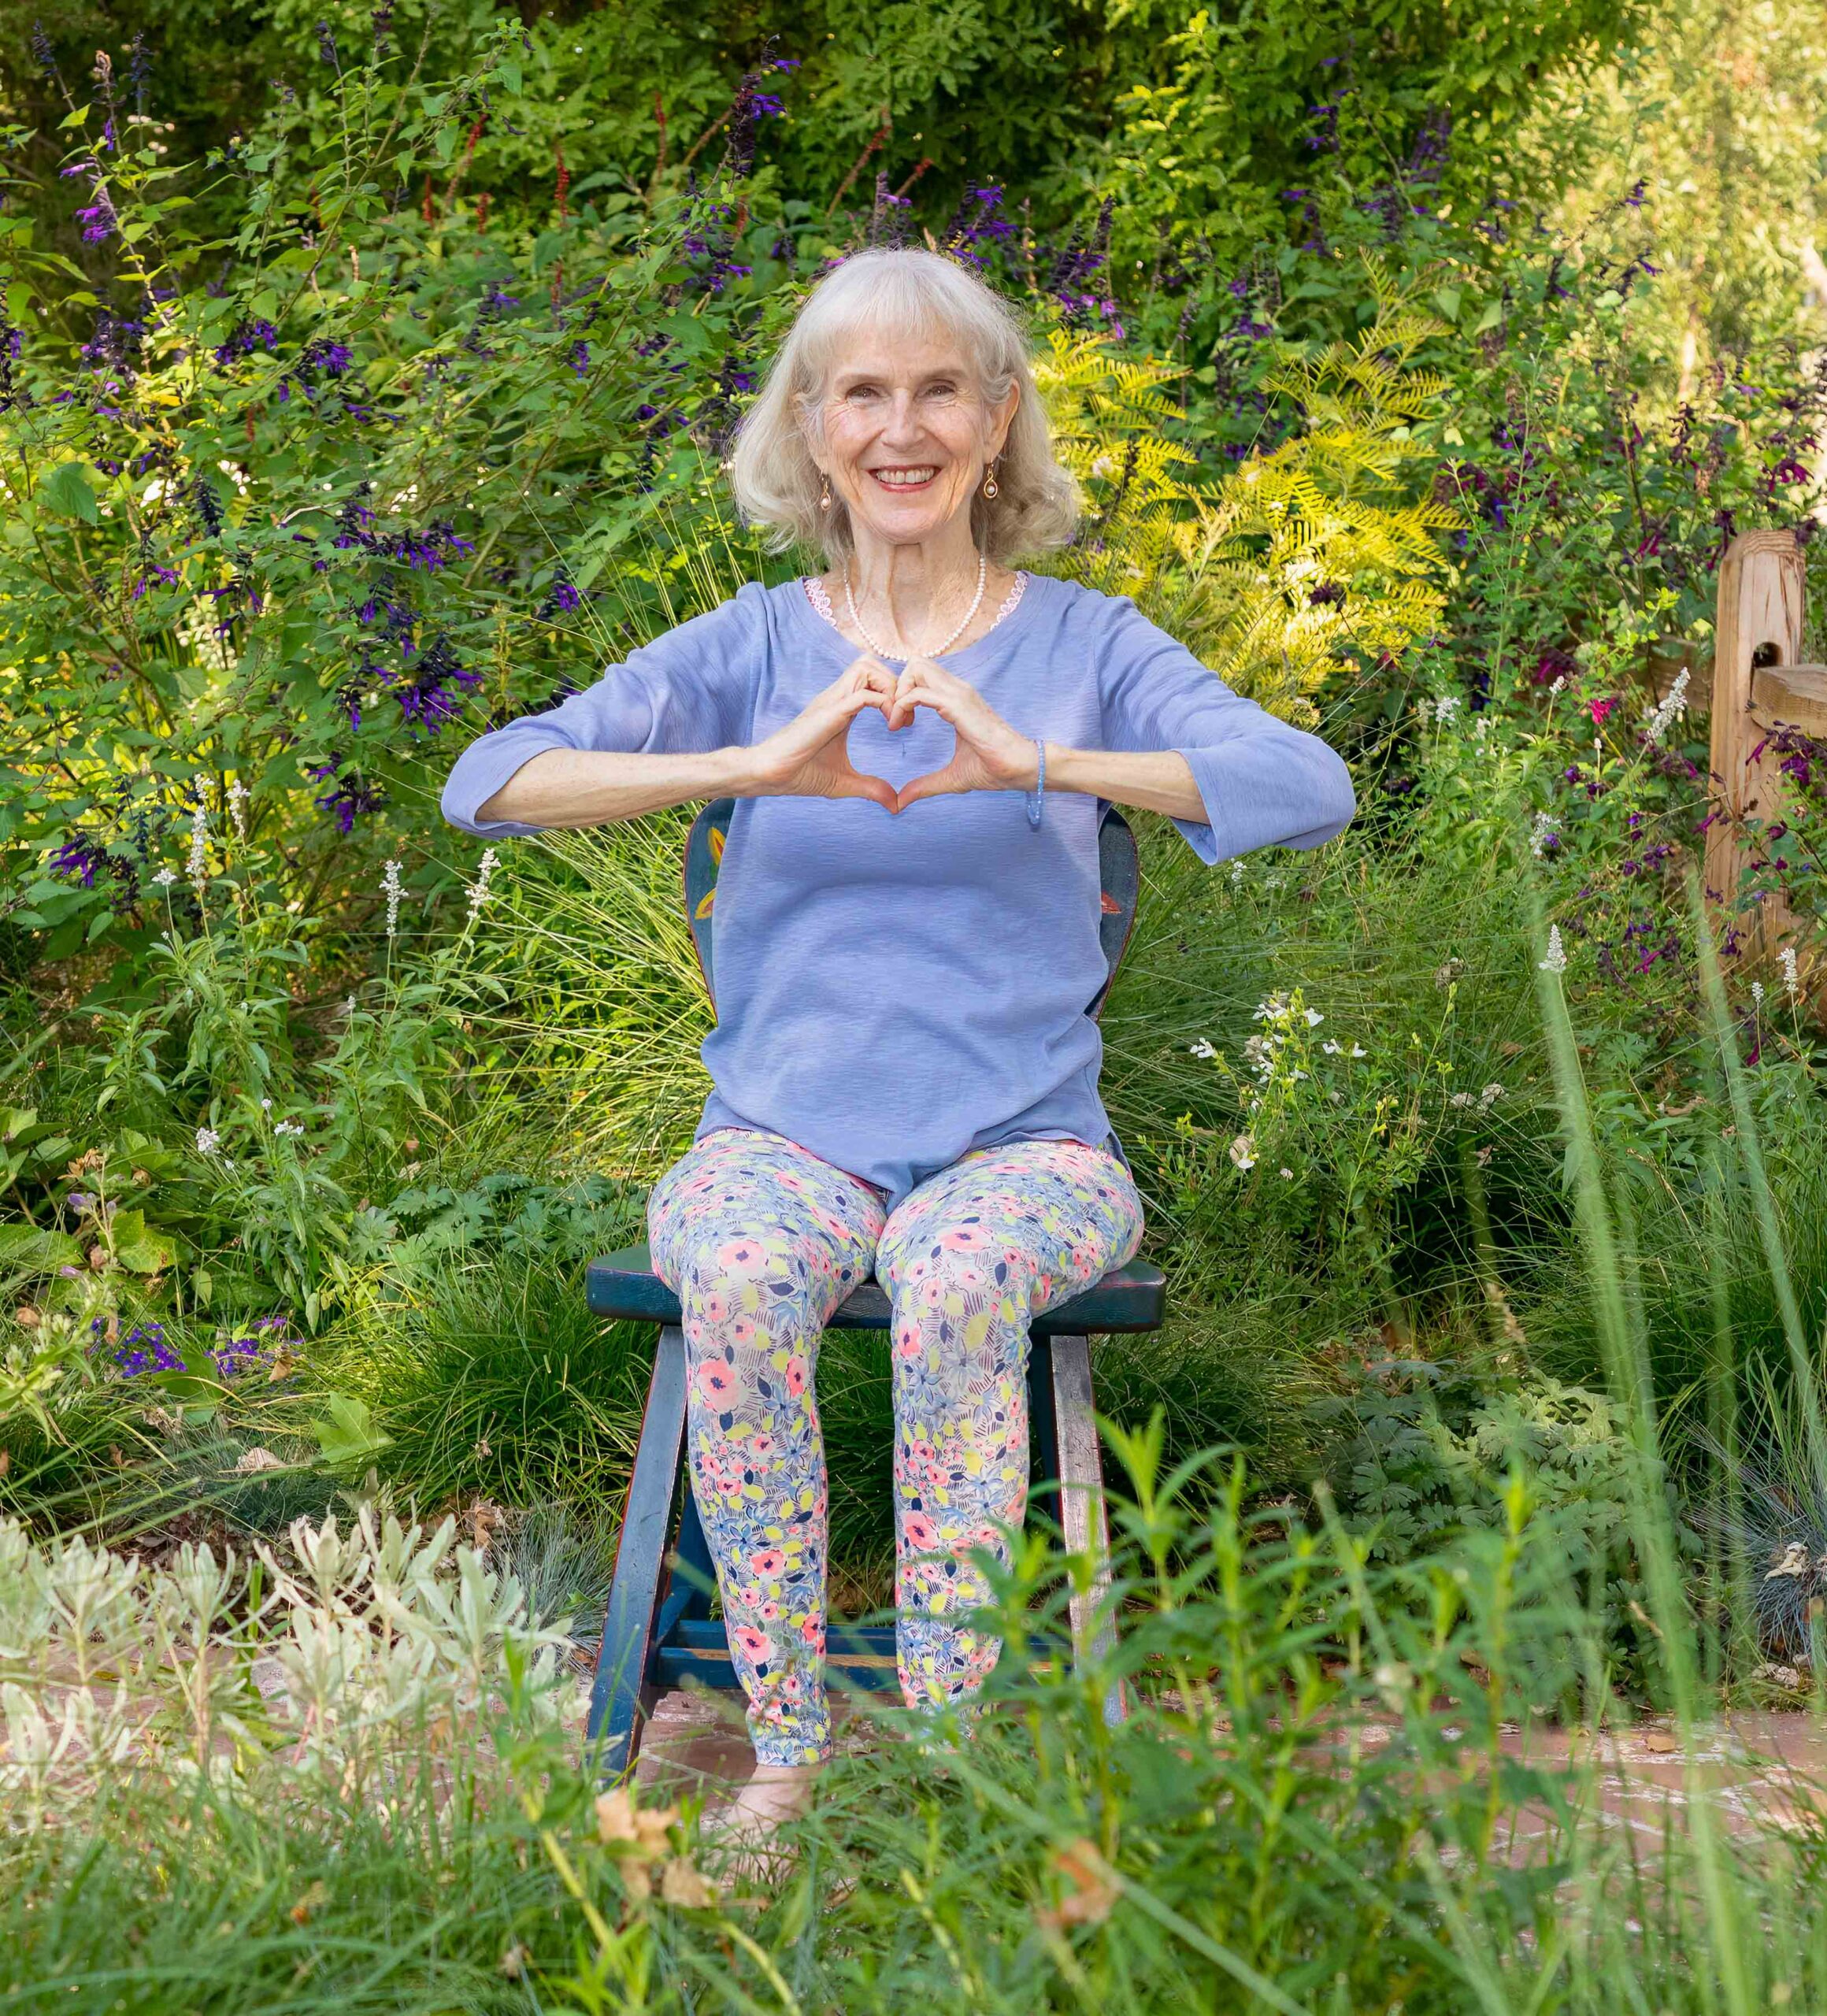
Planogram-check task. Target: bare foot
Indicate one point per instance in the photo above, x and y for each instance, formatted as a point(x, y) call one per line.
point(750, 1823)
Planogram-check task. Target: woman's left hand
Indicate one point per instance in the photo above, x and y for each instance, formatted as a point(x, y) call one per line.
point(989, 755)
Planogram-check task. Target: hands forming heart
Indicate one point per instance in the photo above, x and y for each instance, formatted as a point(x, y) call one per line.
point(810, 758)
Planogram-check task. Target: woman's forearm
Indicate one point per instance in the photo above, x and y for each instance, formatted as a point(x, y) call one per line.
point(1159, 780)
point(579, 787)
point(574, 788)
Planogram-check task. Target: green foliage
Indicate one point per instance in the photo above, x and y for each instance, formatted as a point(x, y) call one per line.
point(1193, 122)
point(1237, 115)
point(1316, 1797)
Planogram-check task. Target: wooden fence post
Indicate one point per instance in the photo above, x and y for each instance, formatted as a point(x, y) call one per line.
point(1758, 684)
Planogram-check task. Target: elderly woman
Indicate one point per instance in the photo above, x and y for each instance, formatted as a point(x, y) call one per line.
point(904, 1075)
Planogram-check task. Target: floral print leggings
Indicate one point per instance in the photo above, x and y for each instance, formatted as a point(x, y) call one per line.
point(762, 1241)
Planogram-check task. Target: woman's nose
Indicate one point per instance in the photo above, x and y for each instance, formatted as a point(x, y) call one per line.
point(903, 424)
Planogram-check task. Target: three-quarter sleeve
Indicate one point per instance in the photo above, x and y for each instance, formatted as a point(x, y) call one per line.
point(692, 689)
point(1264, 782)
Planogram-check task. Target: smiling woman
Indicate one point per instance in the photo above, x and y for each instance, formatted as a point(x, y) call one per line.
point(936, 826)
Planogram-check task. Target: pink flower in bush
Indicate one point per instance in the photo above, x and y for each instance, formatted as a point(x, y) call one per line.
point(1599, 709)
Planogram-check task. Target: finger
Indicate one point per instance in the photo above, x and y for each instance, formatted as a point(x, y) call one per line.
point(909, 689)
point(848, 706)
point(942, 704)
point(932, 673)
point(946, 782)
point(868, 671)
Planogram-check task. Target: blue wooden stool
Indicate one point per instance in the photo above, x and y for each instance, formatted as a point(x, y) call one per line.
point(659, 1631)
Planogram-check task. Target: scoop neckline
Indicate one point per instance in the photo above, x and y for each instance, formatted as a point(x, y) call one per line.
point(1008, 627)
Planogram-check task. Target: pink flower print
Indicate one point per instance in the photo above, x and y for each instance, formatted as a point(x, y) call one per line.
point(716, 1381)
point(769, 1612)
point(813, 1632)
point(920, 1532)
point(741, 1329)
point(745, 1259)
point(756, 1644)
point(907, 1342)
point(965, 1238)
point(795, 1375)
point(760, 1447)
point(769, 1563)
point(715, 1308)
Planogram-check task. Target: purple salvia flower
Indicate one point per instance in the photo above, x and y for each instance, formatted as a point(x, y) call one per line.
point(99, 220)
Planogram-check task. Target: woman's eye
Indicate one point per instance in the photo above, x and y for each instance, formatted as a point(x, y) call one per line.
point(864, 392)
point(943, 389)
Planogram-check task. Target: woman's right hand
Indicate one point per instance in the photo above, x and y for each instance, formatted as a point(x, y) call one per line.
point(809, 757)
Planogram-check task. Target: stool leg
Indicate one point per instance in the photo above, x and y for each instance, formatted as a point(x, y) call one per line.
point(1081, 1506)
point(621, 1695)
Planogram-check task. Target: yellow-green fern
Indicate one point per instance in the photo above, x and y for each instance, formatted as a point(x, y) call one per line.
point(1322, 555)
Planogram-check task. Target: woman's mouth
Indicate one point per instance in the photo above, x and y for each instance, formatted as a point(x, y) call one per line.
point(903, 481)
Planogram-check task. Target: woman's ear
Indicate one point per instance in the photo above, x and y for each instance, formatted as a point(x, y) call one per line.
point(1001, 419)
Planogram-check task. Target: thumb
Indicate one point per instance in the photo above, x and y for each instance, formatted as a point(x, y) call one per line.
point(878, 790)
point(932, 783)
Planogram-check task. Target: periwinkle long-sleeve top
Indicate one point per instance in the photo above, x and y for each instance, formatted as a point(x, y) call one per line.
point(894, 989)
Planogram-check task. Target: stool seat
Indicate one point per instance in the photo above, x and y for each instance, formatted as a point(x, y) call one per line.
point(1130, 1298)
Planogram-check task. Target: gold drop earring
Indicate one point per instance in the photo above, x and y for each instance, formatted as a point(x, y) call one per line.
point(990, 485)
point(824, 493)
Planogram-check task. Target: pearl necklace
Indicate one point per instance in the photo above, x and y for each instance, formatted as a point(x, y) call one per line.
point(862, 629)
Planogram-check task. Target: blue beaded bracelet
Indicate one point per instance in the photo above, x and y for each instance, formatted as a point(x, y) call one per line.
point(1034, 805)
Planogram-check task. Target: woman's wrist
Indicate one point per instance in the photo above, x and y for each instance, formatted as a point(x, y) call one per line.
point(1064, 767)
point(737, 772)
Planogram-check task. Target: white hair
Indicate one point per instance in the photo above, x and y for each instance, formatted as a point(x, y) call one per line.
point(901, 292)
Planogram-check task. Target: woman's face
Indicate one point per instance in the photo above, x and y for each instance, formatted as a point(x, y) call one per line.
point(907, 435)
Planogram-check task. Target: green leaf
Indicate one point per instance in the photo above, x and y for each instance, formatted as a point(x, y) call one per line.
point(30, 1246)
point(350, 1435)
point(66, 491)
point(138, 1248)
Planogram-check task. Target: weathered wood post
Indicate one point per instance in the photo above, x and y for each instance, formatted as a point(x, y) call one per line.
point(1759, 685)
